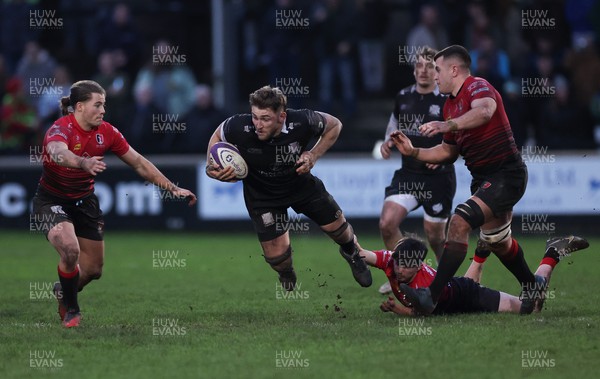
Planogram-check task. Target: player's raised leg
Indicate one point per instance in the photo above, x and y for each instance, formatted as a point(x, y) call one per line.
point(343, 234)
point(62, 237)
point(556, 249)
point(278, 254)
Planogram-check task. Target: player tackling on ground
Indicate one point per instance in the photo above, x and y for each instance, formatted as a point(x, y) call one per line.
point(273, 140)
point(477, 128)
point(404, 266)
point(65, 203)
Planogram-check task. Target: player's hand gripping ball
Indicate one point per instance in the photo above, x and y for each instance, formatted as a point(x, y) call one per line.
point(225, 154)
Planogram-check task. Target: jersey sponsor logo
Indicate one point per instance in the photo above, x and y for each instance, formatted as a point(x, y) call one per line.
point(100, 139)
point(58, 133)
point(486, 185)
point(434, 110)
point(478, 83)
point(480, 90)
point(254, 150)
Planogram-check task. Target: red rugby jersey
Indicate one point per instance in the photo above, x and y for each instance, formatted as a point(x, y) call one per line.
point(485, 147)
point(423, 278)
point(74, 183)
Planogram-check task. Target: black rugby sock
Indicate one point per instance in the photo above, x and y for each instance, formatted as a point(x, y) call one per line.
point(348, 247)
point(453, 256)
point(68, 281)
point(515, 262)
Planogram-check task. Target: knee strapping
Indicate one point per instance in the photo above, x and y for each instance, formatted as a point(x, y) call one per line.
point(339, 232)
point(280, 258)
point(497, 235)
point(471, 212)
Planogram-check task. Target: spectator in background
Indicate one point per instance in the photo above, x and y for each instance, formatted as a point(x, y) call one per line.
point(120, 36)
point(561, 112)
point(140, 132)
point(4, 75)
point(515, 109)
point(583, 66)
point(336, 29)
point(374, 21)
point(490, 62)
point(48, 108)
point(282, 46)
point(118, 87)
point(200, 122)
point(429, 31)
point(81, 26)
point(479, 24)
point(18, 121)
point(578, 16)
point(171, 82)
point(15, 30)
point(36, 70)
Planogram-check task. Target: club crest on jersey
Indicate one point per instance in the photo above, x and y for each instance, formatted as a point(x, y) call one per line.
point(100, 139)
point(459, 107)
point(246, 128)
point(77, 147)
point(434, 110)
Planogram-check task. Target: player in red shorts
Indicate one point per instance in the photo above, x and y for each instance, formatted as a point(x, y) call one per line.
point(477, 128)
point(65, 204)
point(405, 267)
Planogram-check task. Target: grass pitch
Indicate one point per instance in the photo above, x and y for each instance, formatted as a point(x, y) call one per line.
point(208, 306)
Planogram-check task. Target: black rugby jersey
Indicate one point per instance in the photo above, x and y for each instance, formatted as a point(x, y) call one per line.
point(271, 164)
point(411, 110)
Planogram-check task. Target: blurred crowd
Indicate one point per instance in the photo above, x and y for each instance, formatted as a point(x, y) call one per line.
point(154, 60)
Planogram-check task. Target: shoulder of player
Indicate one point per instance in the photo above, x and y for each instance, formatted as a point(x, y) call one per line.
point(62, 127)
point(406, 91)
point(475, 84)
point(237, 127)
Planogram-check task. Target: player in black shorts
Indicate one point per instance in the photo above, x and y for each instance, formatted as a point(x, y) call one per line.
point(65, 206)
point(273, 141)
point(405, 266)
point(477, 128)
point(417, 183)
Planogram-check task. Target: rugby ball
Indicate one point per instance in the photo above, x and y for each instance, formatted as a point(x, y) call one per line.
point(225, 154)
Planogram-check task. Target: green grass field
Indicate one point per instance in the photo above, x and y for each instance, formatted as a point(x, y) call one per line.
point(218, 314)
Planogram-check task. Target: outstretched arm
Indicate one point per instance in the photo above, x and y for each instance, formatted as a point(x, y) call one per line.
point(149, 172)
